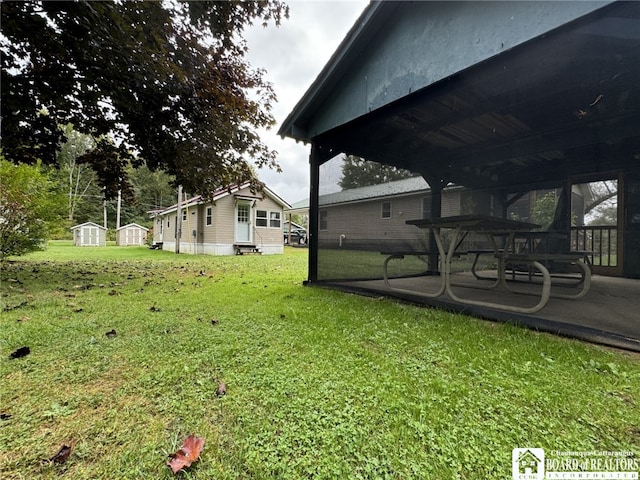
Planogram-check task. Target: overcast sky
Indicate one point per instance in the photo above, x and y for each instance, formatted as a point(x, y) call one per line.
point(293, 55)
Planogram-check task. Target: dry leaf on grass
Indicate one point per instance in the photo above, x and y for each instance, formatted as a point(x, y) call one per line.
point(20, 352)
point(187, 454)
point(62, 454)
point(222, 389)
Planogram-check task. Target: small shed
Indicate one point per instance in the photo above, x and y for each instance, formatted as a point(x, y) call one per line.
point(89, 234)
point(131, 234)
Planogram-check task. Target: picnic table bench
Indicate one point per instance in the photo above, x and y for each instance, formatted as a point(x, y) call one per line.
point(492, 227)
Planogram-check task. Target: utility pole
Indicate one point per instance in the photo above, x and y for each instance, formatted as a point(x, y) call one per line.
point(118, 209)
point(104, 204)
point(179, 219)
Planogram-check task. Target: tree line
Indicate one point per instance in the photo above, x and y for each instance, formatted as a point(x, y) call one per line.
point(43, 201)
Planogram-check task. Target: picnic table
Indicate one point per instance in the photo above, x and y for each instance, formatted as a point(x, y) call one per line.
point(493, 228)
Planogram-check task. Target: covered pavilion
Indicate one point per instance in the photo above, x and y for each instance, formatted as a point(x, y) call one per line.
point(505, 99)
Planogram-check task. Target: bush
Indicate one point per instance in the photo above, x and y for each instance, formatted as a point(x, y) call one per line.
point(28, 204)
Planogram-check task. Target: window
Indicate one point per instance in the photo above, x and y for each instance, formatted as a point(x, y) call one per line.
point(261, 218)
point(184, 216)
point(209, 216)
point(274, 219)
point(426, 207)
point(386, 210)
point(168, 222)
point(323, 219)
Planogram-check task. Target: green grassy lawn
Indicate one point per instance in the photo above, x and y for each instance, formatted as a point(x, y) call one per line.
point(320, 384)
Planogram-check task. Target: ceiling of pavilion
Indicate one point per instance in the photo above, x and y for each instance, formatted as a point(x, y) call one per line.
point(564, 104)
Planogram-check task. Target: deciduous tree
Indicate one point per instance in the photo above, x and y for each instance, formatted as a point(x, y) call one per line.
point(161, 82)
point(357, 172)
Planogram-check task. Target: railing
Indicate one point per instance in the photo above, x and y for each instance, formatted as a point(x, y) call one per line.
point(601, 241)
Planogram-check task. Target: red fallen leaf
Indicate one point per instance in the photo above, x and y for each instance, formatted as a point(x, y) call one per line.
point(188, 453)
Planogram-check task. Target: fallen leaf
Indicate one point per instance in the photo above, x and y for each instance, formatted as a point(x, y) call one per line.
point(188, 453)
point(15, 307)
point(222, 389)
point(62, 454)
point(21, 352)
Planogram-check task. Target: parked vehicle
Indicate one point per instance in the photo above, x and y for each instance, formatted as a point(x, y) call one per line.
point(298, 236)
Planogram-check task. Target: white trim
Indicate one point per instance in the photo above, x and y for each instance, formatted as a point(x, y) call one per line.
point(216, 249)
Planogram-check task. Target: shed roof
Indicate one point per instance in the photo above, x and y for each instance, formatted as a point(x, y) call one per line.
point(88, 224)
point(129, 225)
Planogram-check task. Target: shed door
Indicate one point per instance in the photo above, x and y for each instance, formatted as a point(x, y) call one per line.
point(243, 222)
point(91, 236)
point(132, 236)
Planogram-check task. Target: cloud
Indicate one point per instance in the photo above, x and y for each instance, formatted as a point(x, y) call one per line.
point(293, 55)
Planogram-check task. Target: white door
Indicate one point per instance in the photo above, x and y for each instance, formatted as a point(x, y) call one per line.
point(243, 222)
point(132, 236)
point(91, 236)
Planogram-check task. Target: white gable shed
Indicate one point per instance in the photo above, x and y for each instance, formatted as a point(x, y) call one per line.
point(89, 234)
point(131, 234)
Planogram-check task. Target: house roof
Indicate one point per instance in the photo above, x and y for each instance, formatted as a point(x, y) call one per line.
point(406, 186)
point(217, 195)
point(394, 189)
point(301, 207)
point(88, 224)
point(129, 225)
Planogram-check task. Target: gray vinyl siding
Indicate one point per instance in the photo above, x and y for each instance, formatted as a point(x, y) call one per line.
point(361, 223)
point(363, 220)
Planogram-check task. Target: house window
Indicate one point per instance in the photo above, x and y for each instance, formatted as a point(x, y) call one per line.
point(168, 222)
point(386, 210)
point(209, 216)
point(184, 216)
point(274, 219)
point(426, 207)
point(323, 219)
point(261, 218)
